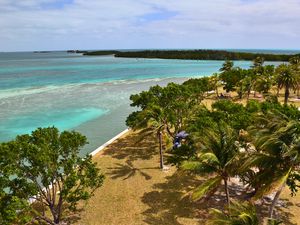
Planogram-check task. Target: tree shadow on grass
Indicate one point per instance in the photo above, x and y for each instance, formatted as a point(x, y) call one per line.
point(128, 170)
point(170, 201)
point(281, 211)
point(237, 192)
point(68, 217)
point(140, 145)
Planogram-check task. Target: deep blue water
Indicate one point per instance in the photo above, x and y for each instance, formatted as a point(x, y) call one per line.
point(85, 93)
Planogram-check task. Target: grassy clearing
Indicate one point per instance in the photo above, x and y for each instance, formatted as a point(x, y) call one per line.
point(137, 192)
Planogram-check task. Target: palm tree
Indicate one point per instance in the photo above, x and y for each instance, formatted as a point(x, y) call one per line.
point(227, 66)
point(277, 156)
point(258, 71)
point(215, 83)
point(218, 156)
point(152, 114)
point(238, 214)
point(258, 62)
point(287, 79)
point(158, 122)
point(295, 64)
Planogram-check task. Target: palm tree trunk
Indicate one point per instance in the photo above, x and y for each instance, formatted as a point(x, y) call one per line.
point(160, 150)
point(286, 95)
point(276, 197)
point(226, 191)
point(217, 92)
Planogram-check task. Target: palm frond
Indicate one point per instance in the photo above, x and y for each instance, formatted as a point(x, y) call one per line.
point(270, 185)
point(217, 218)
point(206, 187)
point(237, 214)
point(209, 159)
point(197, 167)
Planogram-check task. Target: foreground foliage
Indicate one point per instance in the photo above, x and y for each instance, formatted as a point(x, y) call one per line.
point(45, 167)
point(237, 214)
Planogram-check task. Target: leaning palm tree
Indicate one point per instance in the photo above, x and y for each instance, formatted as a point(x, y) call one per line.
point(287, 79)
point(258, 62)
point(277, 156)
point(237, 214)
point(218, 156)
point(227, 66)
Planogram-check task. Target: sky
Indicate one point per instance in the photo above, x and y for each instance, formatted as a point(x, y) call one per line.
point(27, 25)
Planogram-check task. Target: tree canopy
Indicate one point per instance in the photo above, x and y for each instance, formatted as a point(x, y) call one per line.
point(46, 167)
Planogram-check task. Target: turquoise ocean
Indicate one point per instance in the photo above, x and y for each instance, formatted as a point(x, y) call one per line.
point(83, 93)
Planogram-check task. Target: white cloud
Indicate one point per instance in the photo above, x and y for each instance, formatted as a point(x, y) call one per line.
point(99, 24)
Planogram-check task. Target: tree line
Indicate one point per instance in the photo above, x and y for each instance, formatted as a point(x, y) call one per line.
point(194, 55)
point(256, 142)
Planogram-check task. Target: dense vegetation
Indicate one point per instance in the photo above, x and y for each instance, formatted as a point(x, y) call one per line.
point(103, 52)
point(194, 55)
point(45, 168)
point(256, 142)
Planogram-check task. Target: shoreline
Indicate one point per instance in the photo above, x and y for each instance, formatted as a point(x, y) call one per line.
point(100, 148)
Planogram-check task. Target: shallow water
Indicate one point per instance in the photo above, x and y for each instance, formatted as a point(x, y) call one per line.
point(88, 94)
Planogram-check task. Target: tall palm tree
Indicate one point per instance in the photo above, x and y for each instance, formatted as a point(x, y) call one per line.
point(287, 79)
point(218, 156)
point(258, 71)
point(238, 214)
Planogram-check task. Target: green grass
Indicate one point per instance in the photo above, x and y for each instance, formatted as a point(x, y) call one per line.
point(136, 191)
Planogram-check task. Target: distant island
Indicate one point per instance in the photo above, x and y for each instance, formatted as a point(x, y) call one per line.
point(76, 51)
point(103, 52)
point(42, 52)
point(193, 55)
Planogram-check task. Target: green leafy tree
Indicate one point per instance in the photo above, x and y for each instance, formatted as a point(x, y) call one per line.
point(14, 191)
point(197, 87)
point(165, 109)
point(234, 114)
point(49, 163)
point(232, 79)
point(151, 113)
